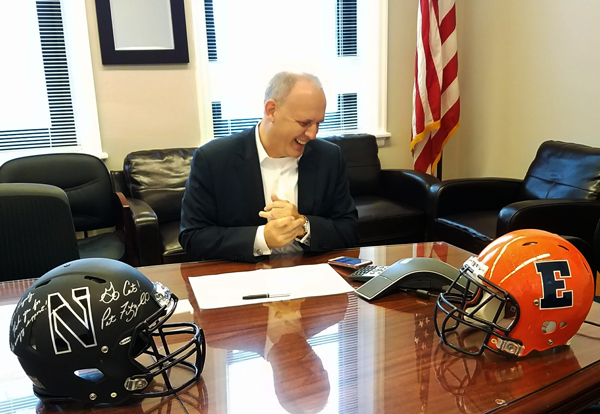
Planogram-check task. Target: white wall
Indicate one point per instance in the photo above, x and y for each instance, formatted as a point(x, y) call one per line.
point(144, 106)
point(402, 37)
point(528, 73)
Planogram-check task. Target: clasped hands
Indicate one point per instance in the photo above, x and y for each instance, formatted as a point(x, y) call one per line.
point(284, 222)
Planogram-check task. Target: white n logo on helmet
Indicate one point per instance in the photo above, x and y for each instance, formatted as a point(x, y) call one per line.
point(65, 322)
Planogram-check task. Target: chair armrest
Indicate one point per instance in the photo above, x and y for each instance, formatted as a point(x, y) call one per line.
point(407, 186)
point(564, 217)
point(145, 234)
point(473, 194)
point(119, 184)
point(124, 224)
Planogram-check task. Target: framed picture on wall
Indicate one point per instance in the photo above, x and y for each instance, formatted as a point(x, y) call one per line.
point(142, 31)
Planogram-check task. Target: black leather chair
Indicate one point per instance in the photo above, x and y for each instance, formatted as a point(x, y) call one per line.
point(154, 184)
point(392, 204)
point(87, 183)
point(37, 232)
point(560, 193)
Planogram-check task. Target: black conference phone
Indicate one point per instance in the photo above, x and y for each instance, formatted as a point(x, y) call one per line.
point(413, 273)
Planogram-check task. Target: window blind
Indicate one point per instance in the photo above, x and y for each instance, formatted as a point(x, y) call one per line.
point(61, 132)
point(346, 27)
point(211, 37)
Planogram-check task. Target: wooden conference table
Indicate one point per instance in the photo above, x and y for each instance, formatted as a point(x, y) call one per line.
point(338, 354)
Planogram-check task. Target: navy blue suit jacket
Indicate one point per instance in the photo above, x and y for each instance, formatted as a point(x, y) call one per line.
point(224, 194)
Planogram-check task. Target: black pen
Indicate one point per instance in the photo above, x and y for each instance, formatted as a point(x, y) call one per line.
point(265, 296)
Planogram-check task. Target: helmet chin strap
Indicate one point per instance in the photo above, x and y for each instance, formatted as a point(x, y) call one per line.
point(508, 346)
point(135, 384)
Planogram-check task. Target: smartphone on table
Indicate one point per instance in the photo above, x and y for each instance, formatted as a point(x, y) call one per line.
point(350, 262)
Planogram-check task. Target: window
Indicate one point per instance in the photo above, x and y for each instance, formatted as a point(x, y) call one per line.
point(53, 93)
point(343, 42)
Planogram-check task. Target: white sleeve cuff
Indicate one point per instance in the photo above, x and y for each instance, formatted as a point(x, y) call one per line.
point(260, 244)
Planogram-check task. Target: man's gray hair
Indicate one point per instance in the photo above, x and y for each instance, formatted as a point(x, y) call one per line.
point(281, 85)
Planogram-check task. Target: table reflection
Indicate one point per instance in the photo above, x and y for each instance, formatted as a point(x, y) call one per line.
point(289, 354)
point(194, 396)
point(489, 381)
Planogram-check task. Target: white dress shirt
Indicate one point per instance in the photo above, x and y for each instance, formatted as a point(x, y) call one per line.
point(280, 177)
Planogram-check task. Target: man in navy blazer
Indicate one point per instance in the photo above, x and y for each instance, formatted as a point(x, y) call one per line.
point(273, 188)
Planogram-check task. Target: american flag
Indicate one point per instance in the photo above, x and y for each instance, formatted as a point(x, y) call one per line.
point(436, 103)
point(424, 334)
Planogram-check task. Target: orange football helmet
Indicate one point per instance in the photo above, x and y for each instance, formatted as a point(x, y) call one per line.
point(533, 290)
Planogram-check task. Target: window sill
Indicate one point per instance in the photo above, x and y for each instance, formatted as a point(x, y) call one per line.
point(381, 138)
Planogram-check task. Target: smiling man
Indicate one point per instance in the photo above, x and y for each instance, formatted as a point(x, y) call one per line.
point(273, 188)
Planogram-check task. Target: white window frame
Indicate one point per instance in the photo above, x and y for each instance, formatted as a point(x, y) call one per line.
point(83, 93)
point(371, 13)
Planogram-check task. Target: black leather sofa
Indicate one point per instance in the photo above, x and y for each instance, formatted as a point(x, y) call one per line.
point(560, 193)
point(391, 204)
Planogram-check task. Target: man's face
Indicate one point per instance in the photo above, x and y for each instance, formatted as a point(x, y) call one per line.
point(296, 121)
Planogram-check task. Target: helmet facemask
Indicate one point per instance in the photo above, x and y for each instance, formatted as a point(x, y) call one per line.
point(149, 349)
point(474, 320)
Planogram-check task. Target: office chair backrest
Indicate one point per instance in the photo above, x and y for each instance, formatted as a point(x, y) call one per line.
point(158, 178)
point(563, 170)
point(36, 230)
point(83, 177)
point(363, 167)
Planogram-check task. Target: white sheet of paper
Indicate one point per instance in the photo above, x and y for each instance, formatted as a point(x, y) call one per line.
point(227, 289)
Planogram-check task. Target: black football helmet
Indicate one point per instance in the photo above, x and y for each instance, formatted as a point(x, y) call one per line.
point(94, 330)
